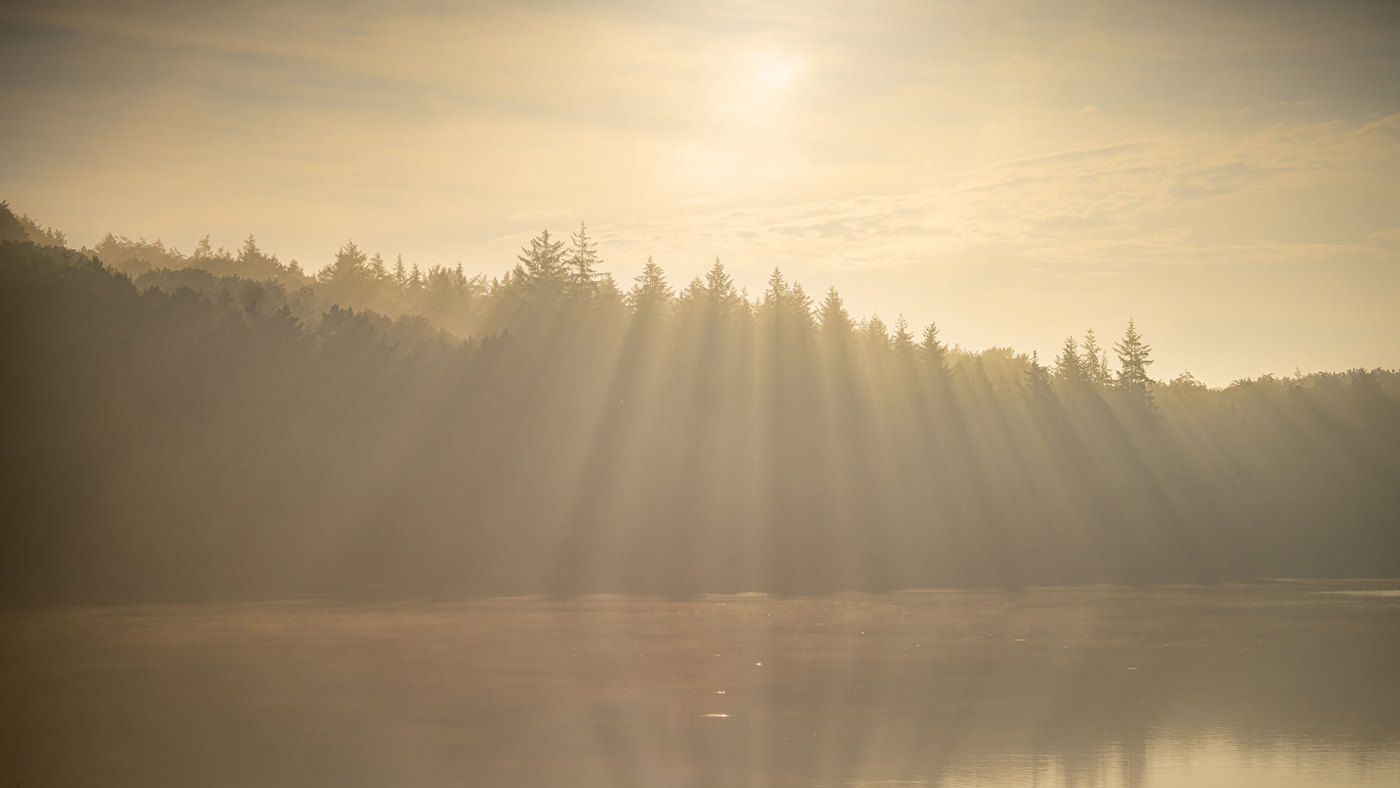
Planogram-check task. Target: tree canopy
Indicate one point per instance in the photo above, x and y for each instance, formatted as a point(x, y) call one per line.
point(184, 430)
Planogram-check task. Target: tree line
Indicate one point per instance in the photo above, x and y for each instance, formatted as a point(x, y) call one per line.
point(550, 273)
point(223, 425)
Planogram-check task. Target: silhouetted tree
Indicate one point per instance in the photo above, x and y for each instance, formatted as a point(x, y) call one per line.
point(799, 305)
point(1094, 362)
point(719, 288)
point(1133, 360)
point(935, 353)
point(541, 270)
point(835, 321)
point(583, 262)
point(784, 304)
point(651, 294)
point(875, 333)
point(903, 339)
point(10, 227)
point(776, 295)
point(1068, 365)
point(23, 228)
point(377, 270)
point(606, 292)
point(1037, 381)
point(348, 268)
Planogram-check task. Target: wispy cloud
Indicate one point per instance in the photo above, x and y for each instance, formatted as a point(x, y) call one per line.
point(1098, 208)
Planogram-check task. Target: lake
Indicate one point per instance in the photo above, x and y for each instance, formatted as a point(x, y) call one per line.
point(1293, 683)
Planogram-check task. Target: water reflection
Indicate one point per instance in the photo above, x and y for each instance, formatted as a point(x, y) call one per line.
point(1056, 687)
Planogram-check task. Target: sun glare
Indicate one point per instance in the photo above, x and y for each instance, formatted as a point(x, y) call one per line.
point(772, 72)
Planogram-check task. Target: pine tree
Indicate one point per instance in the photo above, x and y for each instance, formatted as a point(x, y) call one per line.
point(249, 252)
point(1037, 384)
point(1068, 365)
point(607, 293)
point(349, 266)
point(903, 339)
point(935, 352)
point(1133, 360)
point(400, 273)
point(694, 294)
point(875, 332)
point(784, 304)
point(377, 270)
point(719, 288)
point(583, 262)
point(651, 293)
point(835, 321)
point(800, 305)
point(775, 298)
point(542, 271)
point(1094, 360)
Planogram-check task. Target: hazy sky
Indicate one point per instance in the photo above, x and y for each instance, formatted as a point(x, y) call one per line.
point(1228, 173)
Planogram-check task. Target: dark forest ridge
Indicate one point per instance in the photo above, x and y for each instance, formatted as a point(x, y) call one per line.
point(222, 425)
point(468, 306)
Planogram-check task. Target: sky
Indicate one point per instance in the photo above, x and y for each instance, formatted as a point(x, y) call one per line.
point(1225, 173)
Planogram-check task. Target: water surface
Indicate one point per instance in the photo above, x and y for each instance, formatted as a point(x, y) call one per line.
point(1280, 683)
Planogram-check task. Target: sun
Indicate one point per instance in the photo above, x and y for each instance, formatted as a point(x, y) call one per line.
point(771, 73)
point(746, 141)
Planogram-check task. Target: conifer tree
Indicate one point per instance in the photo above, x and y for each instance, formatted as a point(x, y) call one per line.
point(1037, 385)
point(903, 339)
point(1068, 365)
point(935, 352)
point(541, 269)
point(11, 229)
point(776, 296)
point(1094, 360)
point(583, 262)
point(349, 266)
point(606, 292)
point(400, 273)
point(252, 263)
point(1133, 360)
point(377, 270)
point(651, 293)
point(835, 321)
point(719, 287)
point(800, 305)
point(249, 252)
point(694, 293)
point(875, 332)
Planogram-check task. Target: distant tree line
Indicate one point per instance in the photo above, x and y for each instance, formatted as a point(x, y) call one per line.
point(224, 425)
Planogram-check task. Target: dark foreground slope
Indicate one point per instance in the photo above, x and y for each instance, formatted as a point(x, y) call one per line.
point(179, 445)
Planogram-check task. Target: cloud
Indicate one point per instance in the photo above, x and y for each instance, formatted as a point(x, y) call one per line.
point(1276, 105)
point(1085, 211)
point(535, 216)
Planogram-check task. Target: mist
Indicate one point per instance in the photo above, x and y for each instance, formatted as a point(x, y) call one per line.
point(792, 393)
point(245, 430)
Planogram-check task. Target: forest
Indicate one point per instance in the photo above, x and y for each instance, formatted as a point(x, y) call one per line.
point(222, 425)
